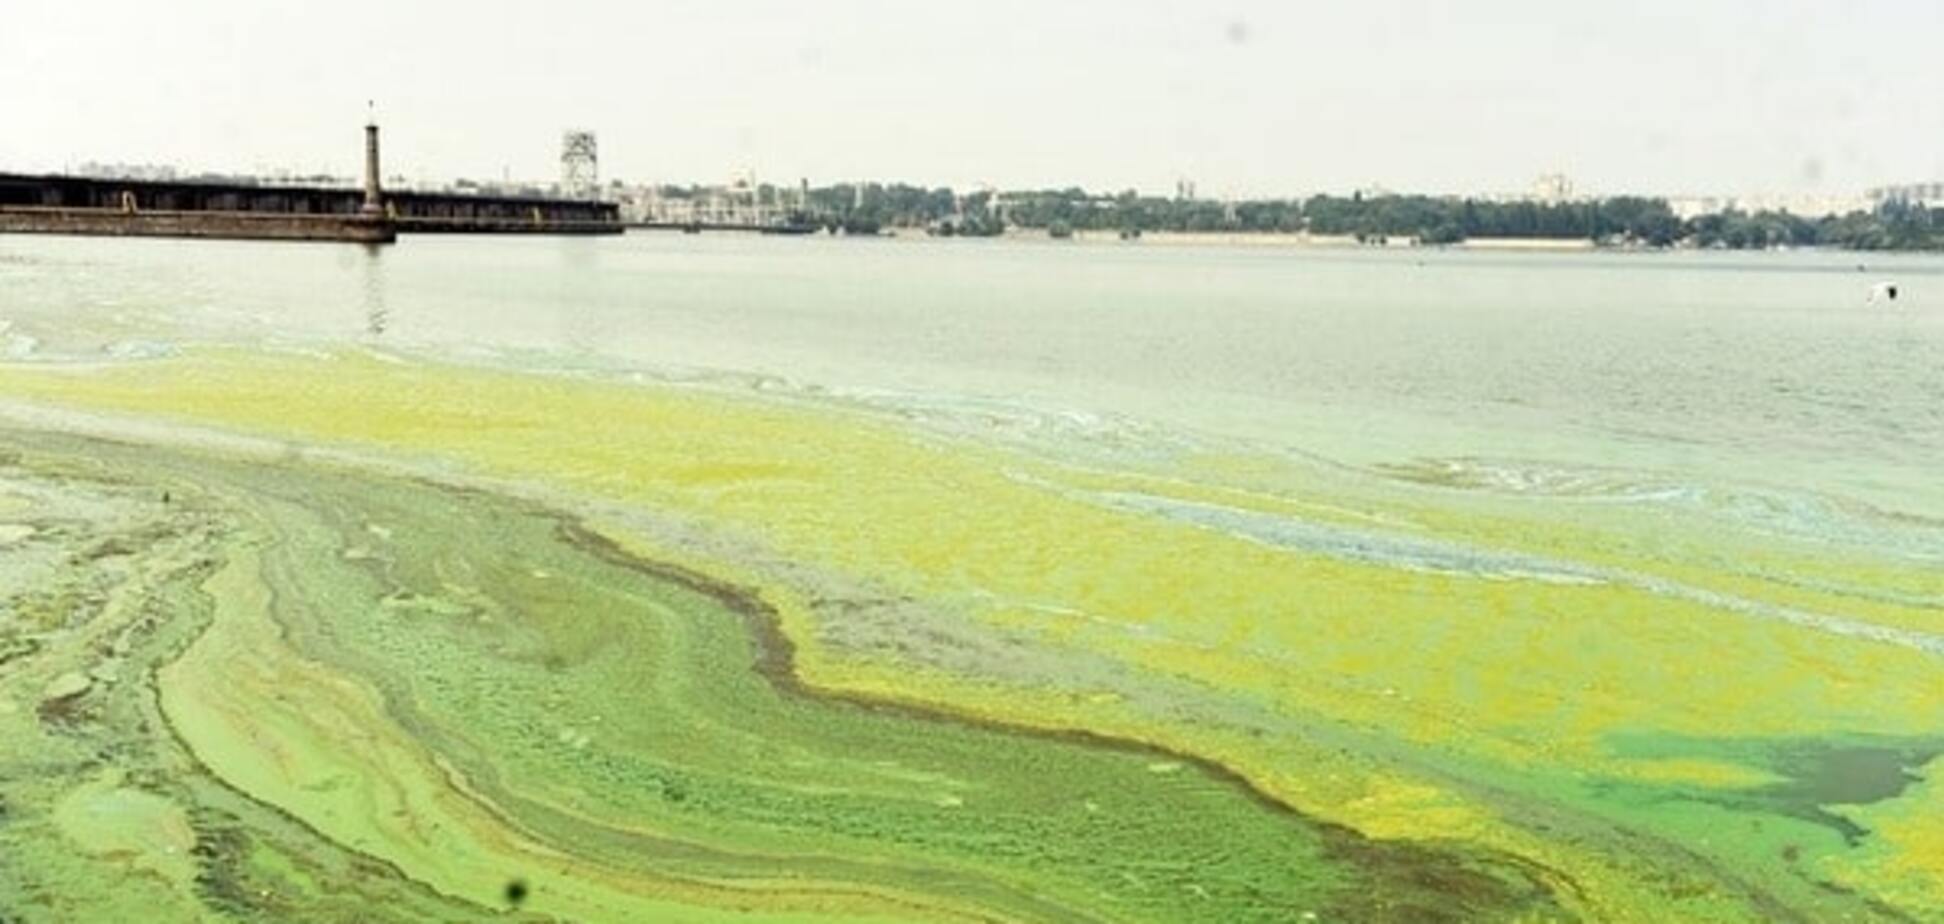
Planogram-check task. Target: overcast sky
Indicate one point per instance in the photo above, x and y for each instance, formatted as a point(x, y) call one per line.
point(1244, 98)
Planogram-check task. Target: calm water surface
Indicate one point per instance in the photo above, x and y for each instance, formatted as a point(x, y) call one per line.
point(1758, 366)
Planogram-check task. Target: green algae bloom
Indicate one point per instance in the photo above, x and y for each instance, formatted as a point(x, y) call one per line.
point(577, 650)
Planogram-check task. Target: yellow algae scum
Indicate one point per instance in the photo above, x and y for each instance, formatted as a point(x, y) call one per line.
point(334, 632)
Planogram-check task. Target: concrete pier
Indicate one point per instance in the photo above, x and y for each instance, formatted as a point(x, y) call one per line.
point(76, 205)
point(236, 225)
point(53, 204)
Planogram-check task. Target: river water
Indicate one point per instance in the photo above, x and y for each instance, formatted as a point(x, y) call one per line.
point(1653, 543)
point(1769, 366)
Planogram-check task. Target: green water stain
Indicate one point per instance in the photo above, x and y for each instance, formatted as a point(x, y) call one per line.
point(1813, 776)
point(1793, 836)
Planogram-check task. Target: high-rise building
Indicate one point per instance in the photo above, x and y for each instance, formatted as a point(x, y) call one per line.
point(580, 173)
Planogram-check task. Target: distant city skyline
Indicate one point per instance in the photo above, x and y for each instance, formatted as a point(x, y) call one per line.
point(1247, 100)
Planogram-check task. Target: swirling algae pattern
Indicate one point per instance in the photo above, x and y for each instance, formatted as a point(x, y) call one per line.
point(344, 637)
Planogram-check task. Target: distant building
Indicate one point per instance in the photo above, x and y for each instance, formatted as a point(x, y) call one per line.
point(156, 172)
point(742, 202)
point(1928, 195)
point(1807, 205)
point(1552, 189)
point(1690, 207)
point(1546, 189)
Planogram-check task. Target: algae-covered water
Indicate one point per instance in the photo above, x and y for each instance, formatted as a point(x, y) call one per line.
point(675, 578)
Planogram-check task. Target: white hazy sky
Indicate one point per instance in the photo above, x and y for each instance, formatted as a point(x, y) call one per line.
point(1243, 97)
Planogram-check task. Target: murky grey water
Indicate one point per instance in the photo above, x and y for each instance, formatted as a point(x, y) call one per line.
point(1814, 776)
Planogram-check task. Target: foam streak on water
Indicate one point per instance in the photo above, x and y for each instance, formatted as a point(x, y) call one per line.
point(1415, 553)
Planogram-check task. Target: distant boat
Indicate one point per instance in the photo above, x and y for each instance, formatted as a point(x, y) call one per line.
point(792, 228)
point(1885, 291)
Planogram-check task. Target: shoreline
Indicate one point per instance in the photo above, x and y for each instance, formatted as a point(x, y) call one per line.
point(1301, 240)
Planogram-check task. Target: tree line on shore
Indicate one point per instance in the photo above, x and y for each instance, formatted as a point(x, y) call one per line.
point(1618, 220)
